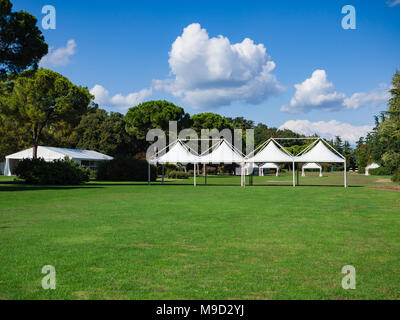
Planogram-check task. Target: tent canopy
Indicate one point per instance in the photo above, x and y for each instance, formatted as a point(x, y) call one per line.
point(372, 166)
point(270, 165)
point(312, 165)
point(177, 154)
point(271, 153)
point(320, 153)
point(52, 153)
point(223, 153)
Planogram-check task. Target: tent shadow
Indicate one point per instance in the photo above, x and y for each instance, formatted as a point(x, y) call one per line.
point(15, 186)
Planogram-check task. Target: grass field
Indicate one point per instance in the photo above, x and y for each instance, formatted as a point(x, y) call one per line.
point(220, 241)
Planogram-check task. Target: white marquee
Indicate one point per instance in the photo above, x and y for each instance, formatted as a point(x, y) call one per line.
point(311, 166)
point(51, 154)
point(223, 152)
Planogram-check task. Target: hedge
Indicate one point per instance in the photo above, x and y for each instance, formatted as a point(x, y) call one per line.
point(381, 171)
point(125, 169)
point(396, 176)
point(57, 172)
point(177, 175)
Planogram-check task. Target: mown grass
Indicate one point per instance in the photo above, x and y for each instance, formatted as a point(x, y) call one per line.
point(220, 241)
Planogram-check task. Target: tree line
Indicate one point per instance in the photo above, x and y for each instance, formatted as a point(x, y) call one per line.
point(382, 144)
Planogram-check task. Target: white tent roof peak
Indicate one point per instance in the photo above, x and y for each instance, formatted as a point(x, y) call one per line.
point(320, 153)
point(177, 154)
point(223, 153)
point(271, 153)
point(52, 153)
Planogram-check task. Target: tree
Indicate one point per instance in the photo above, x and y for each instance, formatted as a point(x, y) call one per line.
point(13, 137)
point(382, 144)
point(22, 44)
point(240, 123)
point(105, 133)
point(41, 99)
point(338, 144)
point(209, 120)
point(261, 133)
point(389, 128)
point(154, 114)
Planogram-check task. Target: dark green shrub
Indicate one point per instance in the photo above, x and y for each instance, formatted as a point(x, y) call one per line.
point(58, 172)
point(381, 171)
point(167, 167)
point(125, 169)
point(396, 176)
point(361, 170)
point(177, 175)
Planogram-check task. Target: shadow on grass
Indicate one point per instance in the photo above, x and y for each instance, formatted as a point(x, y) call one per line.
point(14, 186)
point(247, 185)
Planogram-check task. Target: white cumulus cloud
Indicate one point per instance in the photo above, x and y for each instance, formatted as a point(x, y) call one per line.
point(320, 94)
point(59, 57)
point(119, 101)
point(328, 129)
point(212, 72)
point(374, 98)
point(393, 3)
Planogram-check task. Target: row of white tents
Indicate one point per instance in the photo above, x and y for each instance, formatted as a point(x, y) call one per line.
point(270, 152)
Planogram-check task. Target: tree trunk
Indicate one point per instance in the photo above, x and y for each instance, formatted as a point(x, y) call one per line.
point(35, 136)
point(35, 142)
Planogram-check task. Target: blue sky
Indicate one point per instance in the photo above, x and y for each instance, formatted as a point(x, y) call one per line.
point(123, 48)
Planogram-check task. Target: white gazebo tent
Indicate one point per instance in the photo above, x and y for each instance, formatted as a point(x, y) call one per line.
point(321, 152)
point(373, 165)
point(51, 153)
point(178, 153)
point(223, 152)
point(269, 165)
point(248, 169)
point(272, 152)
point(311, 165)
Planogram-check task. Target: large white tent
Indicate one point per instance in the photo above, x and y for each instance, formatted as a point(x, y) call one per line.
point(311, 166)
point(371, 166)
point(178, 153)
point(223, 152)
point(83, 157)
point(269, 165)
point(321, 152)
point(270, 151)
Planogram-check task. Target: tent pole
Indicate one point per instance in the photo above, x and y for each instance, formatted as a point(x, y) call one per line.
point(162, 174)
point(297, 174)
point(205, 168)
point(294, 178)
point(148, 174)
point(194, 182)
point(345, 175)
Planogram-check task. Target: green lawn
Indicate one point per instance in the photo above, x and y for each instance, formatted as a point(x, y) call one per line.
point(220, 241)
